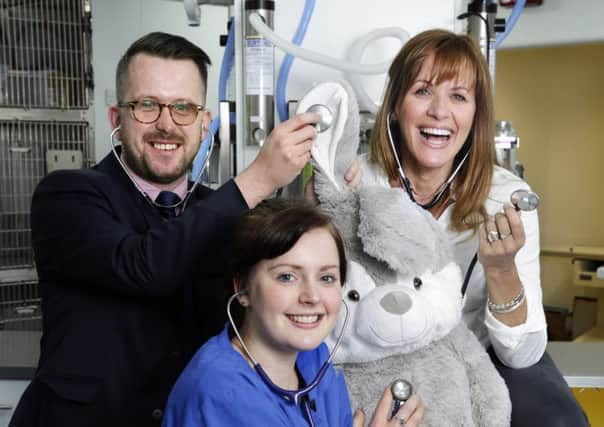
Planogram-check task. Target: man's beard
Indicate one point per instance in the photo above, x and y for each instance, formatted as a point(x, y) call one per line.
point(140, 166)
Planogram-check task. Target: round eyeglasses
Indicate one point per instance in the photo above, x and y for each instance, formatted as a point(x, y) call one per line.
point(148, 111)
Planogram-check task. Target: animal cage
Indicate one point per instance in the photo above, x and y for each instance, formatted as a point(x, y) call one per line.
point(20, 327)
point(20, 306)
point(45, 98)
point(45, 124)
point(28, 151)
point(45, 54)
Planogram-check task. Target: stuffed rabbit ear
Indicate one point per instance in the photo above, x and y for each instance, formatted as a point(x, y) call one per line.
point(336, 147)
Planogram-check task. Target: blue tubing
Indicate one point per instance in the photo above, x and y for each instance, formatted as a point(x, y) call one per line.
point(511, 22)
point(227, 61)
point(288, 60)
point(225, 69)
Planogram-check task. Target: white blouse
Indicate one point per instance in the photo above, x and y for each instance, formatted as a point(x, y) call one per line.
point(519, 346)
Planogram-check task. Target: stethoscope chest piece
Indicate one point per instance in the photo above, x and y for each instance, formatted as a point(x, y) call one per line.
point(326, 115)
point(524, 200)
point(401, 391)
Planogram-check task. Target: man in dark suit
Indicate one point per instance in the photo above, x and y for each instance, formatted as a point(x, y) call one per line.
point(123, 285)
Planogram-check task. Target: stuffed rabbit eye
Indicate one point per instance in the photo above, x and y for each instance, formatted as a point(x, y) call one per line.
point(354, 295)
point(417, 283)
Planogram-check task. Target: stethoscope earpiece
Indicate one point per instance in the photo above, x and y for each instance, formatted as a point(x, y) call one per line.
point(113, 132)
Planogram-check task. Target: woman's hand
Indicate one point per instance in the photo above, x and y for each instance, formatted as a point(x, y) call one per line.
point(353, 175)
point(409, 414)
point(500, 240)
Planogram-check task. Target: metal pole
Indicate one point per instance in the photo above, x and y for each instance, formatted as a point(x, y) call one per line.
point(259, 57)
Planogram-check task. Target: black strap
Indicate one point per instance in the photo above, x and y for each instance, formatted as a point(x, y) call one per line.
point(466, 279)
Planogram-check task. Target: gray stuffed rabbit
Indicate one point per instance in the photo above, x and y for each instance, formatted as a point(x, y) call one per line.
point(403, 291)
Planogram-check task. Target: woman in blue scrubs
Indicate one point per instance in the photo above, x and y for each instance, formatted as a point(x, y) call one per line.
point(288, 267)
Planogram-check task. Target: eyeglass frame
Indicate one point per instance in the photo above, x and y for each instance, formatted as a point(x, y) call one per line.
point(169, 105)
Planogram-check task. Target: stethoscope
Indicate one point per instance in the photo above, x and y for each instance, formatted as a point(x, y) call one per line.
point(298, 397)
point(185, 199)
point(407, 183)
point(522, 200)
point(325, 116)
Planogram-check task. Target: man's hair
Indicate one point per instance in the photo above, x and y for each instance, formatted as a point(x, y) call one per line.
point(161, 45)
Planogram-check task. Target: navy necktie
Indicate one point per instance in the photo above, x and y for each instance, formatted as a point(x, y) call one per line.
point(165, 202)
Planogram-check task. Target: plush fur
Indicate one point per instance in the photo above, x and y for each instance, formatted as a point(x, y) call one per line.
point(403, 292)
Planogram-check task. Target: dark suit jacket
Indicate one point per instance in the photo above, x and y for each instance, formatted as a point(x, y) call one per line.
point(125, 293)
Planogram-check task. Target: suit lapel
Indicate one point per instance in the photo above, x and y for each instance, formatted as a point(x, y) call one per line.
point(146, 211)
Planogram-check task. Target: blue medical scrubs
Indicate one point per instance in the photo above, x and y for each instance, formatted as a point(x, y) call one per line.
point(219, 388)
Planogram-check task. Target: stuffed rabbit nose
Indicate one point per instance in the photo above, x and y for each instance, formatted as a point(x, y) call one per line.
point(397, 302)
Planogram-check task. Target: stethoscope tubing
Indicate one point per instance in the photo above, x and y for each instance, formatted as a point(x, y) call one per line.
point(407, 183)
point(185, 200)
point(295, 396)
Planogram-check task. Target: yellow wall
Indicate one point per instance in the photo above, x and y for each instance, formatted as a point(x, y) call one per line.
point(591, 400)
point(554, 96)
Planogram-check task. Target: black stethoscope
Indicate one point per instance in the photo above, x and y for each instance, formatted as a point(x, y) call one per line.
point(297, 397)
point(184, 201)
point(407, 183)
point(523, 200)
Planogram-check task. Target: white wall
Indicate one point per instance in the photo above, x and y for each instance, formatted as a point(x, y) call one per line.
point(557, 22)
point(334, 26)
point(117, 23)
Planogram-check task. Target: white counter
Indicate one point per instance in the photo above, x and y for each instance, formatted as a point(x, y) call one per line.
point(19, 352)
point(581, 363)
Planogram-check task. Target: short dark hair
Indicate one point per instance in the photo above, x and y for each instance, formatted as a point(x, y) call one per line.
point(271, 229)
point(161, 45)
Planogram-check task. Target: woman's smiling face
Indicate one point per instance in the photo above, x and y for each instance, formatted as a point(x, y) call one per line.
point(435, 119)
point(294, 299)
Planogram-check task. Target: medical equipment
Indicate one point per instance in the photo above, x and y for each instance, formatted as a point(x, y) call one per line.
point(259, 67)
point(297, 397)
point(407, 183)
point(252, 57)
point(401, 391)
point(524, 200)
point(183, 203)
point(489, 32)
point(326, 119)
point(506, 146)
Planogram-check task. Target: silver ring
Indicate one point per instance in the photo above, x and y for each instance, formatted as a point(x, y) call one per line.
point(493, 236)
point(401, 420)
point(504, 235)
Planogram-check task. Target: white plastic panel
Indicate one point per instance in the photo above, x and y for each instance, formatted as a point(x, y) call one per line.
point(10, 393)
point(336, 24)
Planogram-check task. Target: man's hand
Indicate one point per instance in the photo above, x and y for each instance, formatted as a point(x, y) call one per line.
point(280, 160)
